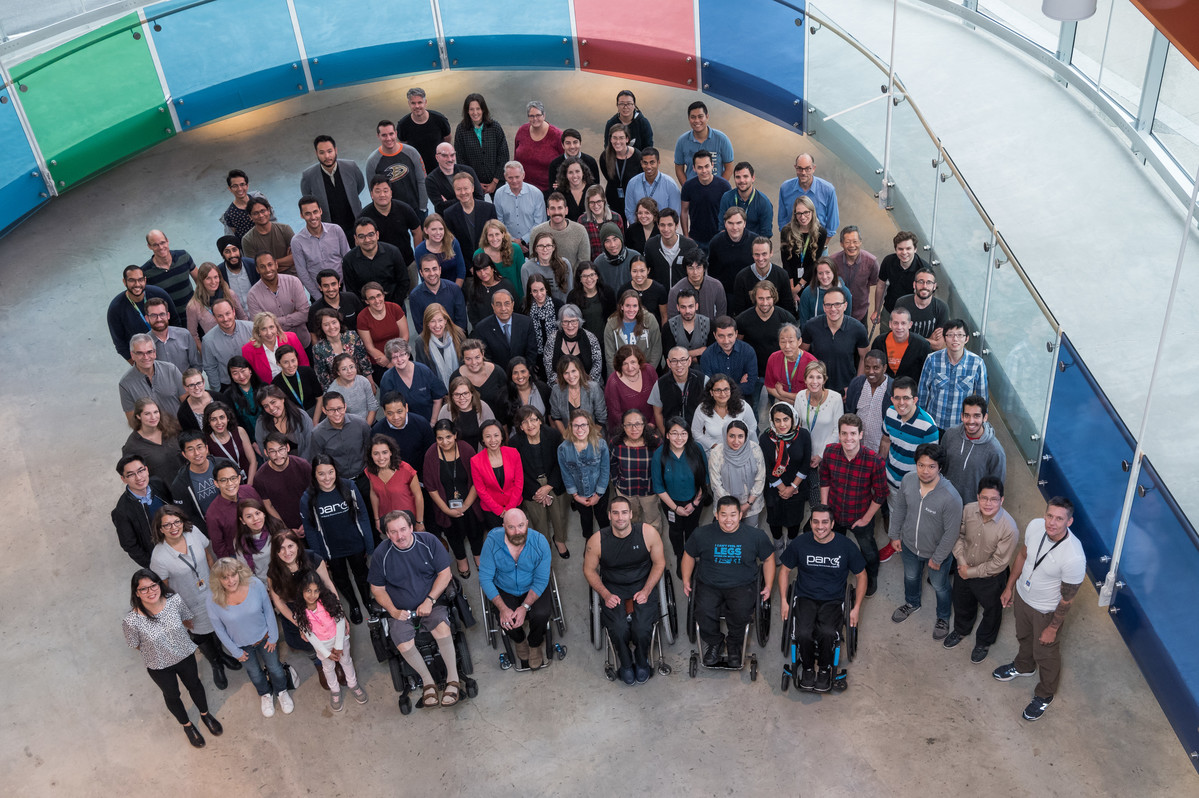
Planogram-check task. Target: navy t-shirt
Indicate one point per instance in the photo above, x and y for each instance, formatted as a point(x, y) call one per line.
point(204, 487)
point(822, 568)
point(728, 559)
point(408, 574)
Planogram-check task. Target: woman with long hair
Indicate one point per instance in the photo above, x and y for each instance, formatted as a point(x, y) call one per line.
point(572, 181)
point(619, 164)
point(544, 492)
point(549, 264)
point(480, 143)
point(721, 404)
point(393, 483)
point(157, 625)
point(155, 439)
point(525, 389)
point(505, 255)
point(290, 563)
point(488, 379)
point(632, 450)
point(629, 387)
point(481, 286)
point(631, 323)
point(641, 133)
point(679, 471)
point(817, 409)
point(299, 383)
point(255, 527)
point(596, 214)
point(210, 286)
point(583, 458)
point(592, 297)
point(337, 526)
point(803, 239)
point(498, 475)
point(811, 299)
point(644, 225)
point(279, 414)
point(195, 399)
point(575, 390)
point(226, 439)
point(243, 391)
point(378, 324)
point(543, 312)
point(448, 481)
point(737, 468)
point(322, 624)
point(330, 339)
point(266, 338)
point(441, 242)
point(466, 411)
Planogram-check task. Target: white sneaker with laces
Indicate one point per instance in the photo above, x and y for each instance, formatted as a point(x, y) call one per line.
point(285, 702)
point(268, 706)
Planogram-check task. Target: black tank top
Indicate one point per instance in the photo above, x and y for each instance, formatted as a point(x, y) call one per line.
point(624, 562)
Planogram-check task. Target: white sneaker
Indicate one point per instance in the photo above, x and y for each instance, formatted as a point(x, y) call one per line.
point(285, 703)
point(268, 706)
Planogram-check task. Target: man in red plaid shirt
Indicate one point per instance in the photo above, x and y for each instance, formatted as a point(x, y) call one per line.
point(853, 482)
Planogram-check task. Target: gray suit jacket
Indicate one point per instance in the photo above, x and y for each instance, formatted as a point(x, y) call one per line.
point(311, 182)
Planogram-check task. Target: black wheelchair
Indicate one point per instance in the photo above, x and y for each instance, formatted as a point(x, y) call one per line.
point(845, 645)
point(666, 627)
point(403, 678)
point(759, 626)
point(491, 622)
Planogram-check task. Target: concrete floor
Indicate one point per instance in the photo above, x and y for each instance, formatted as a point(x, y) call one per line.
point(81, 715)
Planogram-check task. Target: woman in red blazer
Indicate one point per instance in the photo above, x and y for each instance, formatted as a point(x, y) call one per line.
point(498, 475)
point(260, 349)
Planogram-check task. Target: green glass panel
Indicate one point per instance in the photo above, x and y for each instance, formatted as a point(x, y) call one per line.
point(94, 101)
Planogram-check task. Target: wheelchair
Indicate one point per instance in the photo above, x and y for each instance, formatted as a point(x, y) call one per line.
point(759, 626)
point(845, 645)
point(491, 622)
point(403, 678)
point(666, 627)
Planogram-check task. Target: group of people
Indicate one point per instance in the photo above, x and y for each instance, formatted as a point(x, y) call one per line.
point(508, 340)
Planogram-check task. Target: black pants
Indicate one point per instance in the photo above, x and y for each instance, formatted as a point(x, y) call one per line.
point(680, 529)
point(776, 532)
point(593, 517)
point(869, 549)
point(364, 487)
point(735, 603)
point(637, 629)
point(460, 531)
point(538, 618)
point(339, 572)
point(209, 645)
point(968, 595)
point(168, 680)
point(816, 625)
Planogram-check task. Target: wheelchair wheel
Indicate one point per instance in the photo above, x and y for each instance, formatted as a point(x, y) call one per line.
point(472, 688)
point(786, 681)
point(556, 597)
point(753, 668)
point(609, 673)
point(491, 621)
point(378, 641)
point(693, 664)
point(397, 675)
point(465, 664)
point(670, 630)
point(762, 618)
point(597, 632)
point(851, 632)
point(405, 705)
point(691, 631)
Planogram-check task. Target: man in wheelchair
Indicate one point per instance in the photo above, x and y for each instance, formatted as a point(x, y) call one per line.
point(514, 573)
point(623, 564)
point(822, 562)
point(728, 553)
point(408, 573)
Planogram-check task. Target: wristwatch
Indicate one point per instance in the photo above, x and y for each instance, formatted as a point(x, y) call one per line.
point(526, 606)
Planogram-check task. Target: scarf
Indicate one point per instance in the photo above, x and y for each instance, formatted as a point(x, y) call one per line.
point(582, 339)
point(738, 470)
point(443, 356)
point(780, 443)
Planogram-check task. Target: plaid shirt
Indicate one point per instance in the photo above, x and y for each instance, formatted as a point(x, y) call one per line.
point(630, 470)
point(852, 485)
point(944, 385)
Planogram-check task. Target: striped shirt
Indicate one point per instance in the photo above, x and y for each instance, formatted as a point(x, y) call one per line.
point(905, 437)
point(176, 279)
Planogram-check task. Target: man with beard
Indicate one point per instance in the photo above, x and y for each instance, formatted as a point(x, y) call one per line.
point(973, 450)
point(127, 311)
point(731, 250)
point(233, 268)
point(331, 297)
point(747, 280)
point(375, 261)
point(335, 183)
point(570, 237)
point(283, 295)
point(928, 313)
point(222, 342)
point(268, 236)
point(896, 274)
point(759, 212)
point(318, 246)
point(520, 592)
point(679, 391)
point(175, 345)
point(401, 164)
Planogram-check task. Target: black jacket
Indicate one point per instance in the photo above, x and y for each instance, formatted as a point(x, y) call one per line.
point(132, 521)
point(912, 362)
point(185, 498)
point(498, 349)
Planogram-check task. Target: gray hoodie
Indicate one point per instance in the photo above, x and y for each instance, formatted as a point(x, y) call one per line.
point(928, 526)
point(970, 461)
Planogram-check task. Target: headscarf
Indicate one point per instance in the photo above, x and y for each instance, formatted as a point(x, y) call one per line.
point(738, 470)
point(780, 443)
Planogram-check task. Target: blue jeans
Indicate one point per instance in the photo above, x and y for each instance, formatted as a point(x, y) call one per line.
point(913, 572)
point(269, 659)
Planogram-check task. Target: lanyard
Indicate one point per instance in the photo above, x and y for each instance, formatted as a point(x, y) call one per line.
point(299, 386)
point(141, 315)
point(810, 419)
point(790, 373)
point(192, 564)
point(1040, 557)
point(454, 477)
point(236, 456)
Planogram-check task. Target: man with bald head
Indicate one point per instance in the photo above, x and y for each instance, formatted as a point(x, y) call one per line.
point(439, 182)
point(171, 270)
point(514, 573)
point(807, 184)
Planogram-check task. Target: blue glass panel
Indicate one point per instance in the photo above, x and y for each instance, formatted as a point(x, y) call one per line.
point(367, 40)
point(508, 34)
point(226, 56)
point(753, 58)
point(21, 184)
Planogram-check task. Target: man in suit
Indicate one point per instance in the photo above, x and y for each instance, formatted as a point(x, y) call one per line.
point(466, 217)
point(905, 349)
point(336, 184)
point(505, 334)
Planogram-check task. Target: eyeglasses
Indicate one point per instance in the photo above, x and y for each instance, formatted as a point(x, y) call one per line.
point(625, 104)
point(678, 361)
point(535, 115)
point(175, 524)
point(158, 316)
point(193, 384)
point(145, 591)
point(461, 394)
point(580, 425)
point(365, 236)
point(725, 389)
point(229, 480)
point(926, 282)
point(275, 450)
point(136, 472)
point(956, 336)
point(147, 353)
point(569, 320)
point(833, 304)
point(677, 433)
point(634, 424)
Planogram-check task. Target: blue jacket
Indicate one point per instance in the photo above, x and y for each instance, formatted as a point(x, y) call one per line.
point(498, 571)
point(742, 361)
point(584, 473)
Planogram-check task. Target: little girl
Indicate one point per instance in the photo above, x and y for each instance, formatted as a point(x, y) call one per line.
point(323, 624)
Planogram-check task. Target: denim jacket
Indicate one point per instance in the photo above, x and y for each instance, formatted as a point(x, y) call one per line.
point(584, 473)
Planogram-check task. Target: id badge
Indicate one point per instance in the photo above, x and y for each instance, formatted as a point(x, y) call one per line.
point(455, 504)
point(620, 193)
point(670, 516)
point(200, 583)
point(1028, 583)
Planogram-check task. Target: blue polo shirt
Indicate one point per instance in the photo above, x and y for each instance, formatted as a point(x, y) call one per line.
point(716, 143)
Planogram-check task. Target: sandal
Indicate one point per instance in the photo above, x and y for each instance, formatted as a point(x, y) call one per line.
point(464, 574)
point(428, 697)
point(448, 699)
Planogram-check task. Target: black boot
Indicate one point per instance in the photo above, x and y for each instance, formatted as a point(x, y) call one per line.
point(229, 661)
point(218, 675)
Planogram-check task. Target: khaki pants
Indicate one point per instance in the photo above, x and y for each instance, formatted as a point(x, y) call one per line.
point(646, 510)
point(550, 521)
point(1033, 654)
